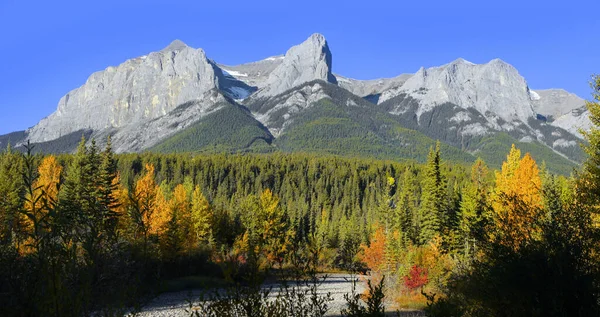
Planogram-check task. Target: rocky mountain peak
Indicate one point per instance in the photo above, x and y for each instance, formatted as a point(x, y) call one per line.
point(495, 87)
point(137, 90)
point(555, 102)
point(176, 45)
point(302, 63)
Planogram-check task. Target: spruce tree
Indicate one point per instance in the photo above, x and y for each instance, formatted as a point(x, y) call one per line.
point(406, 207)
point(433, 200)
point(590, 180)
point(71, 197)
point(11, 187)
point(109, 183)
point(475, 207)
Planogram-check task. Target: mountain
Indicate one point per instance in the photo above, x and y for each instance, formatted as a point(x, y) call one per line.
point(371, 89)
point(177, 99)
point(555, 102)
point(464, 103)
point(302, 63)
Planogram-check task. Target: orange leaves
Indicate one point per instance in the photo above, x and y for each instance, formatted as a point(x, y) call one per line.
point(160, 215)
point(374, 254)
point(49, 177)
point(517, 200)
point(201, 216)
point(45, 191)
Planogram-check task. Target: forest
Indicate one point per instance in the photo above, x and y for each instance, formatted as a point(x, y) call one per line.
point(95, 233)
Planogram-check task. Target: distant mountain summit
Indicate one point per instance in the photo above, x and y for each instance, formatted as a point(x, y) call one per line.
point(179, 99)
point(310, 60)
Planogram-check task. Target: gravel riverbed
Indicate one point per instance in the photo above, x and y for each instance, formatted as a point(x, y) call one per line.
point(175, 304)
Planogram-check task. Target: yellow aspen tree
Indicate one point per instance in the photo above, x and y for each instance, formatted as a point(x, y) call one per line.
point(143, 202)
point(201, 216)
point(517, 201)
point(181, 207)
point(49, 178)
point(45, 192)
point(276, 239)
point(161, 214)
point(121, 195)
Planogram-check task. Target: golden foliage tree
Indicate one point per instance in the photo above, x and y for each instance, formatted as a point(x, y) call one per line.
point(275, 239)
point(201, 216)
point(143, 203)
point(517, 201)
point(49, 178)
point(44, 195)
point(374, 255)
point(161, 214)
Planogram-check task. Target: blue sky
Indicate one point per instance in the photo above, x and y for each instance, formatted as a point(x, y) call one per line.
point(50, 47)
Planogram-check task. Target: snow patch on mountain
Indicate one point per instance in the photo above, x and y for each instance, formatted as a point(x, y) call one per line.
point(534, 95)
point(234, 73)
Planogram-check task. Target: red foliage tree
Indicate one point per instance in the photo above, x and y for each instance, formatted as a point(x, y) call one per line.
point(417, 277)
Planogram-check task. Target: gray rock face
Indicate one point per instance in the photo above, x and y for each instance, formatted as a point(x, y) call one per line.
point(495, 87)
point(140, 89)
point(302, 63)
point(555, 102)
point(574, 121)
point(149, 98)
point(364, 88)
point(276, 112)
point(255, 73)
point(142, 135)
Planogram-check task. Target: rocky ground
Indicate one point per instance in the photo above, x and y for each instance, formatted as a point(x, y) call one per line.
point(176, 303)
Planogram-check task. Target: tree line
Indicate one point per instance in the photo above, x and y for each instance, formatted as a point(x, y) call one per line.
point(95, 231)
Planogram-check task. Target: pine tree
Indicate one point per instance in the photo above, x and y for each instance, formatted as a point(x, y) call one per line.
point(432, 214)
point(408, 201)
point(475, 207)
point(72, 195)
point(11, 187)
point(387, 205)
point(109, 191)
point(589, 181)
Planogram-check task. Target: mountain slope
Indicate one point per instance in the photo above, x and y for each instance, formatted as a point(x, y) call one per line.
point(231, 128)
point(471, 131)
point(331, 128)
point(178, 99)
point(140, 89)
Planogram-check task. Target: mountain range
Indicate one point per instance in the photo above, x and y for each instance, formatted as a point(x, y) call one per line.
point(179, 100)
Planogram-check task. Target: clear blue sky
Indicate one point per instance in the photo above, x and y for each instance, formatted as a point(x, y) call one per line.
point(50, 47)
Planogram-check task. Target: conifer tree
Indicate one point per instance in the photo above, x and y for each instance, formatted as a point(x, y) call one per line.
point(109, 191)
point(11, 187)
point(387, 206)
point(408, 201)
point(589, 184)
point(475, 206)
point(73, 198)
point(432, 213)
